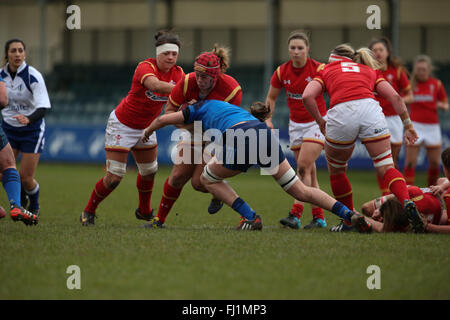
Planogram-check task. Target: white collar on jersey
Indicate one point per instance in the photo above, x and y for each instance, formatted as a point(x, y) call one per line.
point(21, 67)
point(334, 57)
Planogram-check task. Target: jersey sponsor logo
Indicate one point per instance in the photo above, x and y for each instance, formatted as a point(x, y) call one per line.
point(287, 81)
point(380, 130)
point(431, 88)
point(309, 79)
point(155, 97)
point(423, 98)
point(295, 96)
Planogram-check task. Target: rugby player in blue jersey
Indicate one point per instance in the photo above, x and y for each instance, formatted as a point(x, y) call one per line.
point(228, 124)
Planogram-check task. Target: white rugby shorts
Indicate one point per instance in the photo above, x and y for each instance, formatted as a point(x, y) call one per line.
point(395, 126)
point(363, 119)
point(119, 137)
point(304, 132)
point(429, 134)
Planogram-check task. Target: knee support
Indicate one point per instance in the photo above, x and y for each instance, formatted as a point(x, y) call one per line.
point(211, 177)
point(116, 167)
point(383, 159)
point(288, 179)
point(335, 162)
point(147, 168)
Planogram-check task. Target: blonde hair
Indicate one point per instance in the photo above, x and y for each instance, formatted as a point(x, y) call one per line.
point(362, 55)
point(224, 56)
point(259, 110)
point(420, 58)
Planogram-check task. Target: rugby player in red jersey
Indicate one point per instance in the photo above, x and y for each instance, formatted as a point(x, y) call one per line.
point(350, 80)
point(429, 96)
point(153, 80)
point(391, 70)
point(207, 82)
point(306, 140)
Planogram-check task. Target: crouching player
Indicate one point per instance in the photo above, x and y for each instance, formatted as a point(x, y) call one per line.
point(238, 158)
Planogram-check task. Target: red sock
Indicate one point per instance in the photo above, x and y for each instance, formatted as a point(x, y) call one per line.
point(410, 175)
point(145, 188)
point(318, 213)
point(297, 210)
point(99, 193)
point(342, 190)
point(433, 175)
point(382, 185)
point(396, 183)
point(170, 195)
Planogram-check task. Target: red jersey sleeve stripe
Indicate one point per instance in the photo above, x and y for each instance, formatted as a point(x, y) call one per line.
point(147, 75)
point(232, 94)
point(173, 102)
point(186, 84)
point(320, 67)
point(320, 80)
point(279, 73)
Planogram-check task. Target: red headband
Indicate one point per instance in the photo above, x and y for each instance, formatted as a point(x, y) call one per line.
point(208, 63)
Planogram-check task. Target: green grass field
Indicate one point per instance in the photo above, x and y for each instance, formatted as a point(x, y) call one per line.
point(201, 256)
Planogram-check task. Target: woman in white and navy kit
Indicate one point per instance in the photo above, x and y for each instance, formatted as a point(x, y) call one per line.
point(23, 117)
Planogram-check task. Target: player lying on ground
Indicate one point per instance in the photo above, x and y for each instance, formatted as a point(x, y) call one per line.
point(227, 119)
point(385, 213)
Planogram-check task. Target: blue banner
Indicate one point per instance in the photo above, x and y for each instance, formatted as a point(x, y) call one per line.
point(77, 143)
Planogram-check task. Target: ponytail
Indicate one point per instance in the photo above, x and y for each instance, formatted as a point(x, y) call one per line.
point(259, 110)
point(224, 56)
point(365, 56)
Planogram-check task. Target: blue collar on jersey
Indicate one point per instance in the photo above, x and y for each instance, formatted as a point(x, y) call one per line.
point(22, 72)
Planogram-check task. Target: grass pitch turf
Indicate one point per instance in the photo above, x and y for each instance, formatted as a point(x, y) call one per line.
point(201, 256)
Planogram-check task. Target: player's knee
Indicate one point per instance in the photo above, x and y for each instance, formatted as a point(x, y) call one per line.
point(112, 181)
point(178, 179)
point(147, 168)
point(197, 184)
point(304, 170)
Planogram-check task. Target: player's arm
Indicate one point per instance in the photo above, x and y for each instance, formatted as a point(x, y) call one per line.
point(377, 226)
point(270, 103)
point(162, 121)
point(408, 97)
point(386, 91)
point(437, 229)
point(153, 84)
point(442, 102)
point(3, 95)
point(312, 91)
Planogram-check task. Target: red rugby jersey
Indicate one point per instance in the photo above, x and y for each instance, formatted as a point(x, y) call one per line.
point(226, 89)
point(399, 81)
point(426, 95)
point(141, 106)
point(427, 203)
point(347, 81)
point(294, 81)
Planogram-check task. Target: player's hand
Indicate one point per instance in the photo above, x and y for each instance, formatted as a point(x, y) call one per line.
point(322, 125)
point(146, 135)
point(410, 136)
point(269, 123)
point(22, 119)
point(192, 101)
point(437, 190)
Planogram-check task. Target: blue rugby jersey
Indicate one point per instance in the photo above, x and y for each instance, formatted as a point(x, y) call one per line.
point(216, 114)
